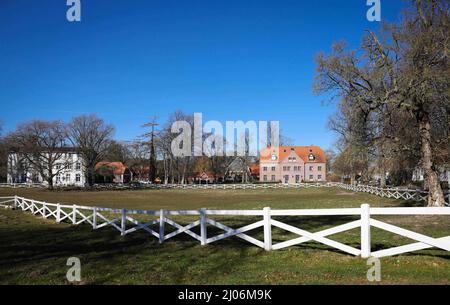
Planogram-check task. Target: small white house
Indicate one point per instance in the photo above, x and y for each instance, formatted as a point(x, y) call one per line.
point(69, 169)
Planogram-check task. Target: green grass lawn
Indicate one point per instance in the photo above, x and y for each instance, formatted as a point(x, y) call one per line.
point(35, 251)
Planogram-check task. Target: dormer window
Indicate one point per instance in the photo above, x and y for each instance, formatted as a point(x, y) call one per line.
point(311, 157)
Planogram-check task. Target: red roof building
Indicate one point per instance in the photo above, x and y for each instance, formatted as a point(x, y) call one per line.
point(115, 172)
point(292, 164)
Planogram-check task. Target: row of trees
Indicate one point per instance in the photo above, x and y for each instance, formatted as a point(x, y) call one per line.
point(393, 98)
point(153, 151)
point(42, 144)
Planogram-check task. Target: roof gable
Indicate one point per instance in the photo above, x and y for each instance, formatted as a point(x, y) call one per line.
point(283, 152)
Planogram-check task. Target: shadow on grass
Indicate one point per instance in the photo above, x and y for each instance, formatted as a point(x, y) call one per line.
point(34, 244)
point(20, 245)
point(33, 241)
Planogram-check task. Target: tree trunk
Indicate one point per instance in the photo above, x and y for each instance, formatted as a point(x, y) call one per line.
point(435, 193)
point(50, 183)
point(383, 179)
point(352, 179)
point(90, 176)
point(448, 179)
point(382, 175)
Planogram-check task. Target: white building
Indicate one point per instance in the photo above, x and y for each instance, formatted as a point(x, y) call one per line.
point(69, 169)
point(419, 173)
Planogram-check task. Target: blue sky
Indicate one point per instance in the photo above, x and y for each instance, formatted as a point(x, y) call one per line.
point(129, 60)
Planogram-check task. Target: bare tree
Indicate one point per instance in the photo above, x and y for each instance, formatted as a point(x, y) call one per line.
point(43, 144)
point(151, 142)
point(118, 151)
point(401, 72)
point(92, 137)
point(175, 168)
point(138, 159)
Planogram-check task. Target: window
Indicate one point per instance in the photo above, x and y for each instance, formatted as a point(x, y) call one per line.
point(311, 177)
point(67, 177)
point(265, 168)
point(295, 168)
point(58, 178)
point(284, 168)
point(77, 177)
point(319, 177)
point(273, 168)
point(265, 177)
point(58, 166)
point(319, 168)
point(69, 166)
point(78, 166)
point(311, 168)
point(288, 168)
point(273, 178)
point(297, 178)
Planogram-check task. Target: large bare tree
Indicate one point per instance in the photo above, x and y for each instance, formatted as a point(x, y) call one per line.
point(92, 136)
point(401, 72)
point(43, 145)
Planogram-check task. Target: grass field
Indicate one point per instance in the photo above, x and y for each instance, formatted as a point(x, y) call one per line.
point(35, 251)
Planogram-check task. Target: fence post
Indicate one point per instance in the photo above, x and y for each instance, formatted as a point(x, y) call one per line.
point(417, 195)
point(203, 233)
point(32, 206)
point(15, 202)
point(161, 226)
point(74, 214)
point(43, 210)
point(94, 218)
point(123, 222)
point(58, 212)
point(267, 230)
point(365, 230)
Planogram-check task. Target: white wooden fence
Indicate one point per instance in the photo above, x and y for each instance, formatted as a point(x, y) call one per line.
point(22, 185)
point(125, 222)
point(397, 193)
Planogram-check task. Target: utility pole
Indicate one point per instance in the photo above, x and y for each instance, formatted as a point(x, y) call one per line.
point(152, 168)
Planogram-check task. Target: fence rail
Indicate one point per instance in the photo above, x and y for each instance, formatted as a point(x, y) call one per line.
point(396, 193)
point(22, 185)
point(125, 222)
